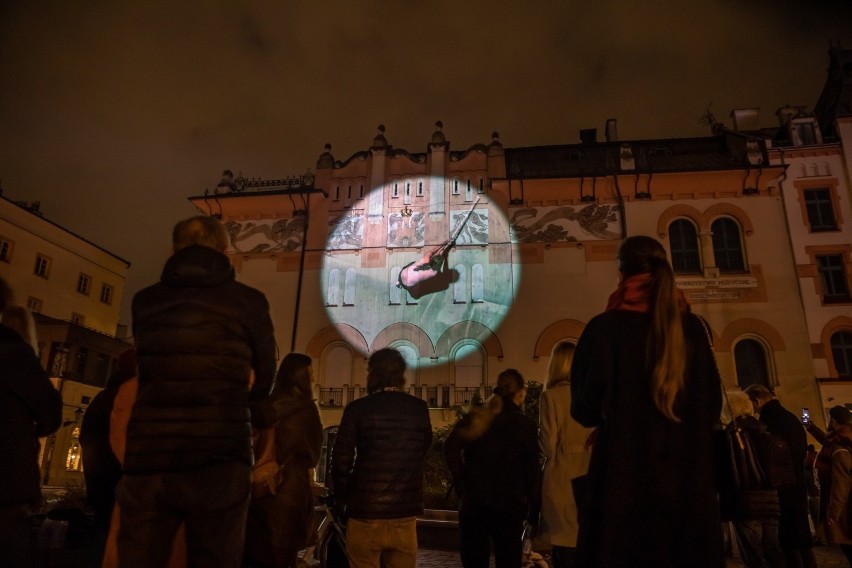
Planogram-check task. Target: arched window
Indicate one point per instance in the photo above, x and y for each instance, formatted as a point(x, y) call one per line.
point(420, 188)
point(336, 372)
point(841, 352)
point(469, 367)
point(394, 289)
point(455, 186)
point(727, 245)
point(409, 353)
point(349, 288)
point(468, 192)
point(683, 239)
point(477, 283)
point(460, 285)
point(752, 368)
point(333, 288)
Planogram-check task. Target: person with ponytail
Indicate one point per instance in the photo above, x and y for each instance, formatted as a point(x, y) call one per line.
point(643, 374)
point(493, 456)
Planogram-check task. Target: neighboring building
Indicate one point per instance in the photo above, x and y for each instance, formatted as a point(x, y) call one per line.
point(58, 273)
point(816, 149)
point(73, 287)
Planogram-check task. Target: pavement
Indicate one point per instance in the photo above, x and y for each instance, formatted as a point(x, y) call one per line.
point(827, 557)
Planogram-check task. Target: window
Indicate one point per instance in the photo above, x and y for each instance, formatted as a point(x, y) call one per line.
point(84, 283)
point(407, 197)
point(481, 185)
point(683, 239)
point(455, 187)
point(468, 366)
point(74, 462)
point(349, 192)
point(841, 352)
point(460, 285)
point(820, 209)
point(477, 283)
point(337, 193)
point(468, 192)
point(832, 273)
point(349, 287)
point(394, 289)
point(333, 288)
point(395, 191)
point(34, 304)
point(420, 188)
point(750, 359)
point(806, 133)
point(58, 362)
point(77, 318)
point(42, 266)
point(727, 246)
point(6, 247)
point(106, 294)
point(82, 358)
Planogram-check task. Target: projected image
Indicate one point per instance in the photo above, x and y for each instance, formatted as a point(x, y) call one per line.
point(425, 271)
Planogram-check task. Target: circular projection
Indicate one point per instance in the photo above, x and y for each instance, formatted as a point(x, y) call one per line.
point(411, 260)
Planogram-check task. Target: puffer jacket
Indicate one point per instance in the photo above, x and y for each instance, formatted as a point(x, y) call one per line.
point(199, 334)
point(31, 408)
point(391, 433)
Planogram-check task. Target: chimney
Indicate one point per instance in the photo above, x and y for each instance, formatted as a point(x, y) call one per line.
point(588, 135)
point(611, 130)
point(785, 113)
point(746, 119)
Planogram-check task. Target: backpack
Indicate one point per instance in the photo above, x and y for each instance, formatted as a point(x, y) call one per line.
point(775, 458)
point(266, 474)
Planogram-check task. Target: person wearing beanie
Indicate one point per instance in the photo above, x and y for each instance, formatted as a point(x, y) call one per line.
point(794, 530)
point(493, 456)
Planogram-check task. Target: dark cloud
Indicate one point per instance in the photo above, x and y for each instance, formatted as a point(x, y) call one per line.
point(112, 114)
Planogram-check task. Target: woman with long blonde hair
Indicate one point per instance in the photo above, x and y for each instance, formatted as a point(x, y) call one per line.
point(643, 374)
point(563, 443)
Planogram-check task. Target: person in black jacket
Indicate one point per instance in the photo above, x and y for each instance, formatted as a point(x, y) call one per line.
point(377, 467)
point(31, 408)
point(794, 531)
point(206, 349)
point(493, 456)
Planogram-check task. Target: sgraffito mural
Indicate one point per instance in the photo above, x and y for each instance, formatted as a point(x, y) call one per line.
point(346, 232)
point(267, 235)
point(407, 231)
point(564, 223)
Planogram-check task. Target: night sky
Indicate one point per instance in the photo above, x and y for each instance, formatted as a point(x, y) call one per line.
point(112, 113)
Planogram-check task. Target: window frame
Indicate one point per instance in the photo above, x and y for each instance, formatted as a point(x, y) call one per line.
point(681, 251)
point(7, 248)
point(107, 293)
point(847, 353)
point(43, 264)
point(830, 295)
point(804, 185)
point(87, 288)
point(728, 249)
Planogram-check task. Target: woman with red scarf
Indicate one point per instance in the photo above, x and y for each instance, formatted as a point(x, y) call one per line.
point(644, 375)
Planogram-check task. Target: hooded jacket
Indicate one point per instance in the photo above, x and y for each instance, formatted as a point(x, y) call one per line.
point(199, 335)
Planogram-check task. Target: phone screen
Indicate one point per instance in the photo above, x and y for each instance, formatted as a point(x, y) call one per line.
point(806, 416)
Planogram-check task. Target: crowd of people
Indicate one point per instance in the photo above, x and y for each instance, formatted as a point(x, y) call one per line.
point(620, 469)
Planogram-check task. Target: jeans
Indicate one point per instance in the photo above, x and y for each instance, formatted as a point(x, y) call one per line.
point(759, 541)
point(388, 543)
point(212, 503)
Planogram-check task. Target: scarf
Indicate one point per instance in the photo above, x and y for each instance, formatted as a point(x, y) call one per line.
point(633, 295)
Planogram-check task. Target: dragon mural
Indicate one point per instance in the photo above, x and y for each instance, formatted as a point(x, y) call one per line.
point(273, 235)
point(564, 223)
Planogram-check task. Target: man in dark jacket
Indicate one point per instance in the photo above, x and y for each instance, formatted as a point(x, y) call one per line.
point(31, 408)
point(206, 349)
point(794, 529)
point(377, 466)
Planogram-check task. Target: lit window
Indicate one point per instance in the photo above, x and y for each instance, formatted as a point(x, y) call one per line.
point(42, 266)
point(820, 209)
point(841, 352)
point(74, 461)
point(84, 283)
point(750, 358)
point(832, 273)
point(6, 247)
point(106, 294)
point(683, 239)
point(727, 245)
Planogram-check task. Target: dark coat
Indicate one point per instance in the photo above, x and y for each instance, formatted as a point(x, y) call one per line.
point(651, 496)
point(198, 334)
point(30, 407)
point(794, 529)
point(391, 432)
point(496, 466)
point(278, 524)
